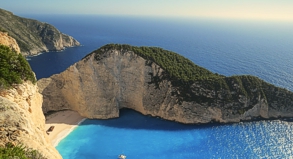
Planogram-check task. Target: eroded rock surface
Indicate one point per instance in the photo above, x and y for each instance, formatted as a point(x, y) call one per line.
point(6, 40)
point(110, 79)
point(22, 120)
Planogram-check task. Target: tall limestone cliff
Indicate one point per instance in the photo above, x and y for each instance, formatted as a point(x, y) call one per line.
point(6, 40)
point(22, 120)
point(160, 83)
point(33, 36)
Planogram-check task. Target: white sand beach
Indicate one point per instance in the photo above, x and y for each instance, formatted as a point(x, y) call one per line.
point(64, 122)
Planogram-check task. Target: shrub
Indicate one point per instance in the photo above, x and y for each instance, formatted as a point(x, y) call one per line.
point(19, 152)
point(14, 69)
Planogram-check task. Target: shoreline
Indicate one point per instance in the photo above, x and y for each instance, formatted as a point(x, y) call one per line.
point(64, 123)
point(49, 51)
point(61, 136)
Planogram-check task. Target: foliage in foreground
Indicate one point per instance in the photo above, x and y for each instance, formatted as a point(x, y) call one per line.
point(14, 69)
point(18, 152)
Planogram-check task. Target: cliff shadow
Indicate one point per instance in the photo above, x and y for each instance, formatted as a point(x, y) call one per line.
point(68, 117)
point(130, 119)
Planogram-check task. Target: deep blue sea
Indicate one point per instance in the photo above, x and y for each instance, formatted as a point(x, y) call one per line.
point(263, 49)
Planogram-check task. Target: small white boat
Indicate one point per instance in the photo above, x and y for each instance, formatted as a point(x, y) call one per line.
point(122, 156)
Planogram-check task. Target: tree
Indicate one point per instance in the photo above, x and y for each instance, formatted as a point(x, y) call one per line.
point(14, 69)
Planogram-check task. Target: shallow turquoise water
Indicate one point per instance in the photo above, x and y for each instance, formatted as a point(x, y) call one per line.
point(145, 137)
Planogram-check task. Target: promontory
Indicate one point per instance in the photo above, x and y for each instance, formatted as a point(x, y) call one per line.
point(33, 36)
point(160, 83)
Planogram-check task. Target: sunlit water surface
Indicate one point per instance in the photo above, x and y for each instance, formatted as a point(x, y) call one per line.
point(139, 136)
point(263, 49)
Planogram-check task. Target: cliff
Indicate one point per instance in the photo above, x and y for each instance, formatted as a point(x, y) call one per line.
point(160, 83)
point(6, 40)
point(33, 36)
point(22, 121)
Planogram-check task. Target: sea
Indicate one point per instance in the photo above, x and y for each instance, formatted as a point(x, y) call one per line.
point(228, 47)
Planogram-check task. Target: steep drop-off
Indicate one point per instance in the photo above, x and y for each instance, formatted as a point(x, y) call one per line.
point(22, 121)
point(33, 36)
point(160, 83)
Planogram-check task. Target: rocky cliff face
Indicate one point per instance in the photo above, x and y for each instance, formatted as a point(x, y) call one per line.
point(6, 40)
point(110, 79)
point(33, 36)
point(22, 120)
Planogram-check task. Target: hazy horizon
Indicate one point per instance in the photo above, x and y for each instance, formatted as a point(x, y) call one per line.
point(271, 10)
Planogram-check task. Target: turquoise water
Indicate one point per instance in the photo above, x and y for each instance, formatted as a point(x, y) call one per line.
point(263, 49)
point(145, 137)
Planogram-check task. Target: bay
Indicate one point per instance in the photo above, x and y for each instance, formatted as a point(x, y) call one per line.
point(263, 49)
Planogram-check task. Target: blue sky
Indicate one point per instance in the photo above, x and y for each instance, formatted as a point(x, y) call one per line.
point(231, 9)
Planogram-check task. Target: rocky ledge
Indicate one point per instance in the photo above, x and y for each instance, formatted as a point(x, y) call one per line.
point(160, 83)
point(33, 36)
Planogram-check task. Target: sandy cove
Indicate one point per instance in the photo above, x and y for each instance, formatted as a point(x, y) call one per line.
point(64, 122)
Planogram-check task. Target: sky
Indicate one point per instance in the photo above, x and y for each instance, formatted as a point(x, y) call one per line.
point(280, 10)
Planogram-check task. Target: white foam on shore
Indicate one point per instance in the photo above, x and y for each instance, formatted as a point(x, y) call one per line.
point(65, 132)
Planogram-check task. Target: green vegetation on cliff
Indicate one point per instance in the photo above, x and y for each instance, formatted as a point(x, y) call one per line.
point(19, 151)
point(184, 73)
point(13, 68)
point(176, 65)
point(3, 30)
point(34, 36)
point(154, 82)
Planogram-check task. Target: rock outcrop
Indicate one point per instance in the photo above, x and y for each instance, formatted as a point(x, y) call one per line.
point(6, 40)
point(115, 77)
point(22, 120)
point(33, 36)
